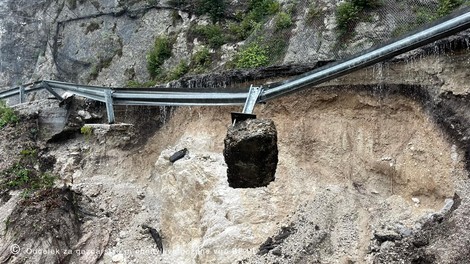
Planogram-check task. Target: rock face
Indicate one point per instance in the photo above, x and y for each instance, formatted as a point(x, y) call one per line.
point(251, 153)
point(105, 42)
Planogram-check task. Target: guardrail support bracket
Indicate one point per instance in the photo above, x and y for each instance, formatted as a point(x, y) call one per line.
point(251, 99)
point(108, 95)
point(250, 103)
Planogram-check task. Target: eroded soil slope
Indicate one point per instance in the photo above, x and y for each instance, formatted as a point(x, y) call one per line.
point(359, 173)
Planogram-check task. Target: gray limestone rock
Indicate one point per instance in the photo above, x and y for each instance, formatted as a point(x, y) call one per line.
point(251, 153)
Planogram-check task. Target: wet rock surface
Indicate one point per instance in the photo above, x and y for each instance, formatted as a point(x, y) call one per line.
point(251, 153)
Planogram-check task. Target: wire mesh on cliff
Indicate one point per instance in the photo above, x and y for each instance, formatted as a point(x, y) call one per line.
point(334, 30)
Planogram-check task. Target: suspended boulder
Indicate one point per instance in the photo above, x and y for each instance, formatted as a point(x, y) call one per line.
point(251, 153)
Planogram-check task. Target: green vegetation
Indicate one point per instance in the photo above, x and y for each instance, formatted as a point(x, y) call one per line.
point(347, 15)
point(87, 131)
point(351, 12)
point(178, 71)
point(25, 174)
point(251, 20)
point(424, 16)
point(178, 3)
point(313, 12)
point(366, 4)
point(261, 8)
point(136, 84)
point(283, 21)
point(200, 60)
point(214, 8)
point(252, 56)
point(276, 48)
point(21, 177)
point(212, 34)
point(29, 153)
point(7, 115)
point(428, 14)
point(96, 69)
point(157, 56)
point(447, 6)
point(262, 48)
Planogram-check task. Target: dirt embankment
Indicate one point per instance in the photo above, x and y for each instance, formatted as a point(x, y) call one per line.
point(355, 167)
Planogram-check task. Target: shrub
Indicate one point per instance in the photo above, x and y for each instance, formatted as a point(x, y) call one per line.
point(200, 60)
point(211, 34)
point(157, 56)
point(447, 6)
point(29, 153)
point(214, 8)
point(424, 16)
point(262, 8)
point(23, 175)
point(347, 15)
point(20, 176)
point(312, 12)
point(251, 57)
point(87, 131)
point(366, 4)
point(7, 115)
point(178, 71)
point(283, 21)
point(46, 180)
point(257, 11)
point(243, 29)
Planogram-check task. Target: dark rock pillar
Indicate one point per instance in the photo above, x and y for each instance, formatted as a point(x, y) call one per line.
point(251, 153)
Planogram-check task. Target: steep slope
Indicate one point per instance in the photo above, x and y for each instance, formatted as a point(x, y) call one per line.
point(373, 166)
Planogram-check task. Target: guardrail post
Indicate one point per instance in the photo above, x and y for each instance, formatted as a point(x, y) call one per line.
point(108, 95)
point(22, 94)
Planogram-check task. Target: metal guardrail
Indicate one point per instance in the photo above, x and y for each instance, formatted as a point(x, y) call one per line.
point(184, 97)
point(125, 96)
